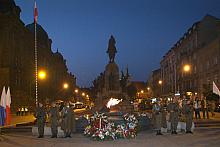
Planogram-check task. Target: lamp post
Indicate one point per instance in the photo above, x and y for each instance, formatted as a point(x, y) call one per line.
point(65, 86)
point(186, 69)
point(160, 82)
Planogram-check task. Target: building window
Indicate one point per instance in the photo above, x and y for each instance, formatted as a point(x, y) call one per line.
point(207, 65)
point(216, 78)
point(195, 69)
point(215, 60)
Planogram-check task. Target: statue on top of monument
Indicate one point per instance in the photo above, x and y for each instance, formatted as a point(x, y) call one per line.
point(111, 49)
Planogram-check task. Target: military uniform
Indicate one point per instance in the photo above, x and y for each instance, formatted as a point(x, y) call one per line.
point(164, 120)
point(173, 109)
point(158, 117)
point(68, 121)
point(54, 117)
point(188, 111)
point(41, 117)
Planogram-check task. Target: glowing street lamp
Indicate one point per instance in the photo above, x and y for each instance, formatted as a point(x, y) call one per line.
point(160, 82)
point(186, 68)
point(65, 85)
point(148, 88)
point(76, 90)
point(142, 91)
point(42, 75)
point(83, 94)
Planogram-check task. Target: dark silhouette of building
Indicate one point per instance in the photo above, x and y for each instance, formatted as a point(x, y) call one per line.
point(17, 68)
point(199, 48)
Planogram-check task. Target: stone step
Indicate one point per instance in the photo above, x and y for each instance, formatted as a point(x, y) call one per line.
point(207, 123)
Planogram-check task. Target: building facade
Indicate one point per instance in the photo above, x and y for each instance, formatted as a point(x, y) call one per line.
point(199, 49)
point(17, 68)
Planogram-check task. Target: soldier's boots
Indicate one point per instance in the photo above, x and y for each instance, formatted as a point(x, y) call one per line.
point(40, 136)
point(54, 136)
point(189, 132)
point(173, 132)
point(159, 132)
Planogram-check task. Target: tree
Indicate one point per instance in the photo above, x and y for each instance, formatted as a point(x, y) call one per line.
point(209, 94)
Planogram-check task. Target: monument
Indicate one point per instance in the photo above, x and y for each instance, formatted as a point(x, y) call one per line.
point(109, 83)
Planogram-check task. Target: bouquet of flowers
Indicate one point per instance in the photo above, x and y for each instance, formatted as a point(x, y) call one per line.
point(100, 129)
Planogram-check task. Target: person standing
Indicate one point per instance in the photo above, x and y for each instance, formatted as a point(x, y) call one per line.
point(164, 116)
point(173, 109)
point(54, 118)
point(204, 105)
point(158, 117)
point(197, 107)
point(68, 122)
point(41, 118)
point(212, 108)
point(188, 112)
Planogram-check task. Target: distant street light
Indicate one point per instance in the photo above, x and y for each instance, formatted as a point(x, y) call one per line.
point(76, 90)
point(148, 88)
point(186, 68)
point(42, 75)
point(160, 82)
point(142, 91)
point(83, 94)
point(65, 85)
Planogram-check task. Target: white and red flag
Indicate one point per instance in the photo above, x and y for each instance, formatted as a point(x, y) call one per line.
point(215, 89)
point(3, 107)
point(8, 106)
point(35, 12)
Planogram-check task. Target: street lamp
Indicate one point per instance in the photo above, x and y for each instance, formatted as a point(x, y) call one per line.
point(160, 82)
point(186, 68)
point(142, 91)
point(42, 74)
point(83, 94)
point(148, 88)
point(76, 90)
point(65, 85)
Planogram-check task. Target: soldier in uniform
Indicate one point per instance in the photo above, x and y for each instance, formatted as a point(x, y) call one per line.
point(54, 118)
point(68, 120)
point(173, 109)
point(41, 117)
point(158, 117)
point(164, 114)
point(188, 111)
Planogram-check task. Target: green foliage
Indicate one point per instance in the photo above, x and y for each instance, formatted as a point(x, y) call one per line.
point(209, 94)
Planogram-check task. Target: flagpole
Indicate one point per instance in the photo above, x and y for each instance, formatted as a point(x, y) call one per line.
point(36, 60)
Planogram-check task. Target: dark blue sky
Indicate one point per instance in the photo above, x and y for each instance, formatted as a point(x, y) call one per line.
point(144, 30)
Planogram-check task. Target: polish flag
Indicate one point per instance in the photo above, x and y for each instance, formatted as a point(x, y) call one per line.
point(8, 105)
point(3, 107)
point(35, 12)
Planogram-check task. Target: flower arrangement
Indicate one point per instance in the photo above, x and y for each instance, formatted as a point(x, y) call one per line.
point(100, 128)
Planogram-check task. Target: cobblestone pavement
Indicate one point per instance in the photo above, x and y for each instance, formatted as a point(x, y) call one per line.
point(201, 138)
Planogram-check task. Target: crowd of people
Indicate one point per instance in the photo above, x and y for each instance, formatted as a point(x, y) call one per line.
point(58, 116)
point(185, 108)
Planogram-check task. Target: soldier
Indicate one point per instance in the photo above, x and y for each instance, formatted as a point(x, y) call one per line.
point(54, 117)
point(173, 109)
point(158, 117)
point(188, 111)
point(68, 120)
point(41, 117)
point(164, 114)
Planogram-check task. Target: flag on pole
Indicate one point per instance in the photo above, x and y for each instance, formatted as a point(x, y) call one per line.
point(35, 12)
point(8, 105)
point(215, 89)
point(3, 107)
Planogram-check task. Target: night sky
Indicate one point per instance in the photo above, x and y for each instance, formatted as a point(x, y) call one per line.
point(144, 31)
